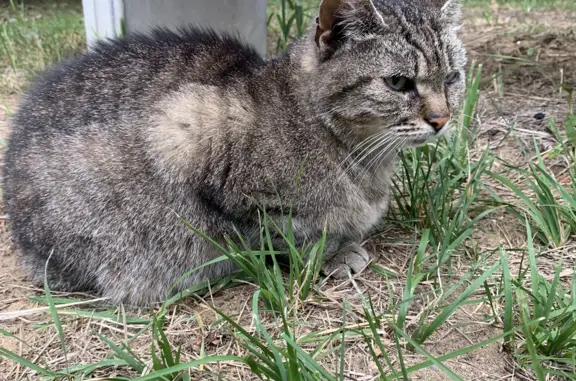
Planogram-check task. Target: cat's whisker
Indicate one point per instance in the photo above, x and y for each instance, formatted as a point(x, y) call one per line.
point(380, 145)
point(390, 151)
point(381, 142)
point(371, 142)
point(365, 142)
point(385, 151)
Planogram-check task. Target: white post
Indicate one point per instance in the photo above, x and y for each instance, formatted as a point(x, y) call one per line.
point(103, 19)
point(244, 18)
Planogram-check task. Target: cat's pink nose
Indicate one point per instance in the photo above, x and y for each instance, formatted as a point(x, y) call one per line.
point(438, 121)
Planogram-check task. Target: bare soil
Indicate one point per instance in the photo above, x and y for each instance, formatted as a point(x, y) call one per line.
point(534, 54)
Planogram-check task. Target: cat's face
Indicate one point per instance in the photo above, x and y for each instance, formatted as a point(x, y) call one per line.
point(389, 70)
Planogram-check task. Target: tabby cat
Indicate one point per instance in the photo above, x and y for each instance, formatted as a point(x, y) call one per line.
point(112, 149)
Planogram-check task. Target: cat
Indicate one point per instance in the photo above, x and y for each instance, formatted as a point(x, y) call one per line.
point(111, 149)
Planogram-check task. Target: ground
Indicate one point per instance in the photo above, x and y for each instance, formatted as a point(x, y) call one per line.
point(526, 57)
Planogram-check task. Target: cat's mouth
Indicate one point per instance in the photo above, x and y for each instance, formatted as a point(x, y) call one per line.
point(421, 135)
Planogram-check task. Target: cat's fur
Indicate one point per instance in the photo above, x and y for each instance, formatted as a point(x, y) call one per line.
point(107, 148)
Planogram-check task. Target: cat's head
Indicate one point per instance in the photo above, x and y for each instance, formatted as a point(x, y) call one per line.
point(389, 67)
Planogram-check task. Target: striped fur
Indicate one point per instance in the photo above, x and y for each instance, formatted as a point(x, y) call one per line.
point(109, 148)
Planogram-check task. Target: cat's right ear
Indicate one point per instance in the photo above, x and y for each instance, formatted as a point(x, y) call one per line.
point(327, 20)
point(339, 20)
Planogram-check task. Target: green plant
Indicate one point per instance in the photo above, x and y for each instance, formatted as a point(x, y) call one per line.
point(276, 357)
point(545, 313)
point(552, 208)
point(290, 17)
point(37, 36)
point(438, 187)
point(303, 262)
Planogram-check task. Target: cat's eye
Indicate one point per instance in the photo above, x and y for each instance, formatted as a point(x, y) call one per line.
point(399, 83)
point(452, 77)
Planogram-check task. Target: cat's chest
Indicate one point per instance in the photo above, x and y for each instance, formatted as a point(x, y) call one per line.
point(355, 215)
point(370, 213)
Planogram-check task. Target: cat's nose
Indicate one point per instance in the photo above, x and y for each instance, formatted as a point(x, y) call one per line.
point(438, 121)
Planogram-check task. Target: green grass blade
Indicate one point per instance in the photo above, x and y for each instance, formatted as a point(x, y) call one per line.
point(54, 313)
point(435, 361)
point(134, 362)
point(508, 301)
point(307, 360)
point(423, 332)
point(552, 292)
point(536, 363)
point(534, 275)
point(25, 363)
point(281, 370)
point(412, 279)
point(154, 376)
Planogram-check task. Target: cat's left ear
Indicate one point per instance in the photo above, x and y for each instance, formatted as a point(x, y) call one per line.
point(451, 10)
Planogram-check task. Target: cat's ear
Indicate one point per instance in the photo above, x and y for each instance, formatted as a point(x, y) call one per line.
point(451, 10)
point(341, 19)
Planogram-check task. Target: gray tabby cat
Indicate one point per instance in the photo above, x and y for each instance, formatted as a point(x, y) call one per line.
point(110, 147)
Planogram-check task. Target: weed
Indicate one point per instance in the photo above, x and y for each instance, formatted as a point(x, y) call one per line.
point(36, 37)
point(553, 211)
point(526, 6)
point(545, 313)
point(290, 18)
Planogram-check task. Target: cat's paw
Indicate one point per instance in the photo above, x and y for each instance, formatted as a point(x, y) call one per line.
point(353, 258)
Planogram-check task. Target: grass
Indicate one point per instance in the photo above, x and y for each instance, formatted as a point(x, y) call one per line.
point(300, 327)
point(525, 5)
point(545, 311)
point(34, 35)
point(552, 210)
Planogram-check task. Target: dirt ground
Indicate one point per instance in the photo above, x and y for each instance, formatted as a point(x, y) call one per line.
point(534, 53)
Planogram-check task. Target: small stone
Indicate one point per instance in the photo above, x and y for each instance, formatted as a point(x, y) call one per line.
point(540, 116)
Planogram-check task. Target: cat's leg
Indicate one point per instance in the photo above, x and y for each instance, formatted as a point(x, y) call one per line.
point(162, 271)
point(343, 256)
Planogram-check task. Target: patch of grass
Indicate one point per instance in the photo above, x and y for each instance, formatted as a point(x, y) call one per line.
point(34, 35)
point(288, 20)
point(525, 5)
point(552, 212)
point(539, 316)
point(438, 186)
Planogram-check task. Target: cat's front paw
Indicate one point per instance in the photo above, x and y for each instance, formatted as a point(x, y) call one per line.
point(353, 258)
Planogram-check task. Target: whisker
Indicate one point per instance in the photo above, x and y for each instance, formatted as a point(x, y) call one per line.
point(363, 143)
point(385, 150)
point(377, 146)
point(377, 139)
point(373, 146)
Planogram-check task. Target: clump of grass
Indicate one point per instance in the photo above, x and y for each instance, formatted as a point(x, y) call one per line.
point(548, 202)
point(525, 5)
point(288, 20)
point(276, 355)
point(304, 264)
point(438, 186)
point(36, 35)
point(446, 304)
point(539, 316)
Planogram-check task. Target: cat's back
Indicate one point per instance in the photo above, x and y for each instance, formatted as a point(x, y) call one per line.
point(80, 128)
point(123, 78)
